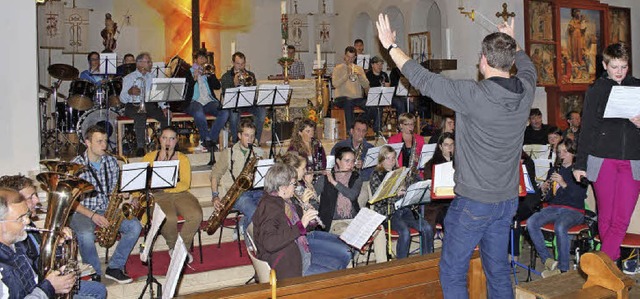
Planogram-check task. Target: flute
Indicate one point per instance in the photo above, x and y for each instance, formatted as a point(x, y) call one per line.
point(37, 229)
point(321, 171)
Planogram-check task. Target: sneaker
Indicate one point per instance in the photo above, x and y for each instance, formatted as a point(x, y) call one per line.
point(96, 277)
point(117, 275)
point(201, 148)
point(550, 264)
point(630, 267)
point(549, 273)
point(189, 258)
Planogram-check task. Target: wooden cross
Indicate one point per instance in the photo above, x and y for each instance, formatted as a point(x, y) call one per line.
point(505, 14)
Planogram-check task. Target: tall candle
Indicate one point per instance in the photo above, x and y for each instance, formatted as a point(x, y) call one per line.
point(284, 49)
point(233, 47)
point(283, 7)
point(318, 55)
point(447, 35)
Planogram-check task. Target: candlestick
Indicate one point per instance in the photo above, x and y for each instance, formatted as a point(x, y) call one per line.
point(318, 53)
point(233, 48)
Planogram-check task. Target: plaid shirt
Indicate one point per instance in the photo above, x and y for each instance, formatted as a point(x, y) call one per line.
point(104, 181)
point(296, 69)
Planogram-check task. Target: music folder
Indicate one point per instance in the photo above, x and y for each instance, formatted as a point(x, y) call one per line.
point(389, 186)
point(443, 184)
point(261, 170)
point(238, 97)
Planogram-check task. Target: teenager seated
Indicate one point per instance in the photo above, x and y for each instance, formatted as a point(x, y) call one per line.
point(280, 228)
point(436, 210)
point(403, 218)
point(565, 209)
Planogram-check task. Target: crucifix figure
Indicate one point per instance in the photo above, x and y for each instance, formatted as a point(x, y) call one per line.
point(505, 14)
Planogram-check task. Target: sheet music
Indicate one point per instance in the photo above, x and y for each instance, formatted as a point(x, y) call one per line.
point(390, 184)
point(379, 96)
point(261, 170)
point(527, 181)
point(624, 102)
point(157, 220)
point(166, 89)
point(238, 97)
point(536, 151)
point(165, 174)
point(396, 147)
point(266, 94)
point(159, 69)
point(418, 193)
point(371, 159)
point(362, 227)
point(178, 256)
point(542, 168)
point(401, 90)
point(443, 182)
point(134, 176)
point(108, 63)
point(331, 162)
point(426, 154)
point(363, 60)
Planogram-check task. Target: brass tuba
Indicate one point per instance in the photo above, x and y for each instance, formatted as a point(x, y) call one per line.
point(69, 168)
point(62, 191)
point(243, 182)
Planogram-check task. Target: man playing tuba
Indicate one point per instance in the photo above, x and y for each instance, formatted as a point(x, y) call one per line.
point(103, 172)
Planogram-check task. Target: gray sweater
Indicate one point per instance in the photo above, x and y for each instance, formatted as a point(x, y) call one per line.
point(491, 116)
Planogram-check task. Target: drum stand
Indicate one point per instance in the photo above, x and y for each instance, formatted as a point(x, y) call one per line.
point(53, 137)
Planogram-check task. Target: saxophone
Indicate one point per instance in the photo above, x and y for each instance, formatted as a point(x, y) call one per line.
point(413, 169)
point(243, 182)
point(62, 191)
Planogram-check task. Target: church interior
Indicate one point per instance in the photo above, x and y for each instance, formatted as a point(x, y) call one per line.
point(54, 39)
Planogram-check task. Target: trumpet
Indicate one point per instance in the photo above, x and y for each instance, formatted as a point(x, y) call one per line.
point(141, 83)
point(245, 79)
point(353, 76)
point(208, 69)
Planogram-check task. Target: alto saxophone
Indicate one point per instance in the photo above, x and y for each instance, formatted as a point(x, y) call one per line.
point(62, 191)
point(243, 182)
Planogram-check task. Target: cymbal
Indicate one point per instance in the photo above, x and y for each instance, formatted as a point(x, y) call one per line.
point(63, 71)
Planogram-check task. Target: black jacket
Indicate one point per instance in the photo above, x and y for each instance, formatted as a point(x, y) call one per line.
point(614, 138)
point(329, 200)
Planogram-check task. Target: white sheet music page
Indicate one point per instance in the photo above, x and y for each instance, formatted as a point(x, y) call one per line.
point(416, 194)
point(261, 170)
point(267, 92)
point(156, 221)
point(443, 182)
point(362, 227)
point(331, 161)
point(542, 168)
point(178, 256)
point(165, 174)
point(426, 154)
point(379, 96)
point(371, 159)
point(527, 182)
point(624, 102)
point(134, 176)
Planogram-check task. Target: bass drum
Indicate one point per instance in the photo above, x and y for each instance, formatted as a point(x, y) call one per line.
point(178, 68)
point(99, 117)
point(67, 118)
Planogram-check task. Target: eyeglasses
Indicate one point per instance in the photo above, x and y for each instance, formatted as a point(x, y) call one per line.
point(25, 218)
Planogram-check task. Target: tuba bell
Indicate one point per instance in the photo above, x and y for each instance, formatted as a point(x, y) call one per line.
point(62, 192)
point(69, 168)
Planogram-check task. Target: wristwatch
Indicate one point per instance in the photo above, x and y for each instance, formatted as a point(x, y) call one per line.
point(391, 47)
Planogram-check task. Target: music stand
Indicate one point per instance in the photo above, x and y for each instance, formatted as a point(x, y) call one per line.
point(403, 91)
point(238, 97)
point(108, 64)
point(158, 70)
point(166, 90)
point(417, 194)
point(363, 60)
point(426, 154)
point(371, 159)
point(261, 170)
point(273, 95)
point(142, 176)
point(379, 97)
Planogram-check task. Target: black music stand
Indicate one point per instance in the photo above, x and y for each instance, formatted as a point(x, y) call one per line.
point(417, 194)
point(167, 90)
point(273, 95)
point(107, 67)
point(145, 175)
point(379, 97)
point(238, 97)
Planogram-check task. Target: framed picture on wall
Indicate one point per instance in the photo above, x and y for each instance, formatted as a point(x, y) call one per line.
point(571, 102)
point(420, 46)
point(541, 21)
point(619, 25)
point(581, 41)
point(544, 58)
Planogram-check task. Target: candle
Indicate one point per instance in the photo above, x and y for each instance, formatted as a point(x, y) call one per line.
point(233, 48)
point(447, 36)
point(283, 7)
point(284, 49)
point(318, 55)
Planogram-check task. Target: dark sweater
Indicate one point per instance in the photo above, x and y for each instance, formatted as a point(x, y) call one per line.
point(532, 136)
point(275, 239)
point(490, 120)
point(572, 196)
point(614, 138)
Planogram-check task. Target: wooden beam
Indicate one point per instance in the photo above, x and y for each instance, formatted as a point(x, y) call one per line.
point(195, 25)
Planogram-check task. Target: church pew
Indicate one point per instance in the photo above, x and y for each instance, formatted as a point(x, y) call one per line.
point(414, 277)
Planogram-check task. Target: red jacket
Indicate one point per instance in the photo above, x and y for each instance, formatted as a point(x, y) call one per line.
point(398, 139)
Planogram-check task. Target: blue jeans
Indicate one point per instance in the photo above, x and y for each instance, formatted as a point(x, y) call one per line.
point(247, 203)
point(349, 104)
point(199, 112)
point(91, 290)
point(400, 104)
point(259, 114)
point(563, 219)
point(328, 253)
point(401, 221)
point(470, 223)
point(84, 228)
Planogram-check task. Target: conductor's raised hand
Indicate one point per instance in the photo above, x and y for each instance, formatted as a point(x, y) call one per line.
point(386, 36)
point(507, 28)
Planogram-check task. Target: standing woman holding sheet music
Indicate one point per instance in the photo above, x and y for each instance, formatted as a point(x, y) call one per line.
point(402, 219)
point(609, 152)
point(307, 145)
point(177, 201)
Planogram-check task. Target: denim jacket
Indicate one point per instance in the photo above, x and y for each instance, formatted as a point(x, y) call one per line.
point(18, 278)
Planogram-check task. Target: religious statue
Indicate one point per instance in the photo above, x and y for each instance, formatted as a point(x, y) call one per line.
point(109, 34)
point(576, 29)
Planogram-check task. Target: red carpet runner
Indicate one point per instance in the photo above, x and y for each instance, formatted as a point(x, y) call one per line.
point(213, 258)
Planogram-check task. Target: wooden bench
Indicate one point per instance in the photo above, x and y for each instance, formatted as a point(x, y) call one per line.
point(414, 277)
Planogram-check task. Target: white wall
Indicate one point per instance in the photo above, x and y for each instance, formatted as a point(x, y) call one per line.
point(19, 132)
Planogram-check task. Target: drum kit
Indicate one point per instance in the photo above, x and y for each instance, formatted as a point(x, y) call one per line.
point(86, 105)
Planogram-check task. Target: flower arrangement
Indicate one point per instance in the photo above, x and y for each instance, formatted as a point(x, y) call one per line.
point(267, 122)
point(313, 113)
point(283, 60)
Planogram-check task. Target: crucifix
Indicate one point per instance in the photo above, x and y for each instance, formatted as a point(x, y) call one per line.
point(195, 25)
point(505, 14)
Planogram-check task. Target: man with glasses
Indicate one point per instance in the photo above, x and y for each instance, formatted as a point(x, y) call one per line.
point(357, 143)
point(31, 244)
point(92, 74)
point(131, 97)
